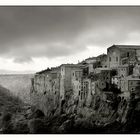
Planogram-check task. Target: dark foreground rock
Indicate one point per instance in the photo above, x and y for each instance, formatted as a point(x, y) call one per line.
point(63, 124)
point(103, 118)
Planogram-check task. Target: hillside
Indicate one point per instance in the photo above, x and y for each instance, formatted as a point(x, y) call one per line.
point(12, 113)
point(8, 103)
point(18, 84)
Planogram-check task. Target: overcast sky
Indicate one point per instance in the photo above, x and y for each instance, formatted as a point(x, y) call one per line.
point(34, 38)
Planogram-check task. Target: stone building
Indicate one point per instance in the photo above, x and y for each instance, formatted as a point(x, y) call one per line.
point(104, 77)
point(46, 90)
point(130, 84)
point(125, 70)
point(115, 80)
point(70, 85)
point(39, 86)
point(90, 60)
point(66, 76)
point(122, 72)
point(88, 89)
point(136, 70)
point(122, 54)
point(76, 81)
point(102, 59)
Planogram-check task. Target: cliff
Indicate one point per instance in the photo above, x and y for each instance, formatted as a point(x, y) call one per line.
point(102, 112)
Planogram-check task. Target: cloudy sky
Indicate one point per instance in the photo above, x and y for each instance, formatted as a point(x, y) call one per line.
point(34, 38)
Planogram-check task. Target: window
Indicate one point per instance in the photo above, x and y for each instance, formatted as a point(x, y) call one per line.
point(131, 83)
point(128, 54)
point(117, 59)
point(44, 92)
point(132, 89)
point(109, 58)
point(79, 93)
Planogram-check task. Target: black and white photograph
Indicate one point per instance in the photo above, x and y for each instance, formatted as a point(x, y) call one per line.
point(69, 69)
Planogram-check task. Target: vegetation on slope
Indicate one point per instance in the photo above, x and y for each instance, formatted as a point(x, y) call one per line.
point(18, 84)
point(11, 111)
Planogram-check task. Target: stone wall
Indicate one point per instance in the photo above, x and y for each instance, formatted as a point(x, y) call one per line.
point(45, 92)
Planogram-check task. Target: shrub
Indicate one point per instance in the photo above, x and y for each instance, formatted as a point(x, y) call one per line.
point(37, 126)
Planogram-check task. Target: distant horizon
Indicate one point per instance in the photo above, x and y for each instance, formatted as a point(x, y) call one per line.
point(6, 72)
point(10, 72)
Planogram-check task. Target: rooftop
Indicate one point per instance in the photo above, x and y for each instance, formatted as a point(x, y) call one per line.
point(126, 46)
point(72, 65)
point(91, 58)
point(101, 56)
point(48, 70)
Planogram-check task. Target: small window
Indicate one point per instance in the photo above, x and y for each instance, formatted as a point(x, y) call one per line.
point(44, 92)
point(109, 58)
point(73, 73)
point(132, 89)
point(81, 96)
point(128, 54)
point(79, 93)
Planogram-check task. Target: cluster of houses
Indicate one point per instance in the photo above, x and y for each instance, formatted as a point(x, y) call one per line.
point(119, 69)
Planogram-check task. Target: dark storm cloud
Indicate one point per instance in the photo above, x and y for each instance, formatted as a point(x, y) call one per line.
point(27, 32)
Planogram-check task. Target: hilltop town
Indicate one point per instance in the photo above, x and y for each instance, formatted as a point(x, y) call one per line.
point(101, 86)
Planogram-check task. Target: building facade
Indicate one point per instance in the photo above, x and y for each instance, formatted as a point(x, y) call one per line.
point(122, 54)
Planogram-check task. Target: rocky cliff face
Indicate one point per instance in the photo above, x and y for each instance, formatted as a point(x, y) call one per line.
point(103, 112)
point(106, 112)
point(45, 94)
